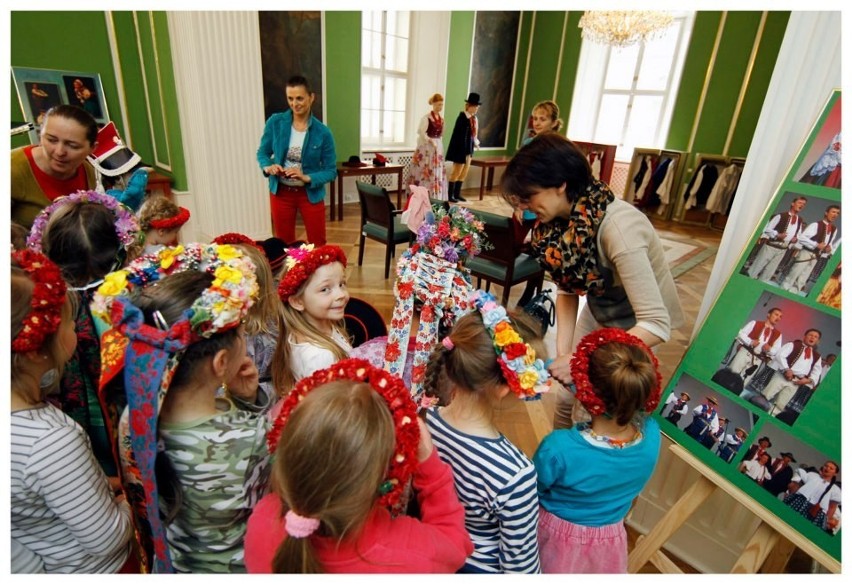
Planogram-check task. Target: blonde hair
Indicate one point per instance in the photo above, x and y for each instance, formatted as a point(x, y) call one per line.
point(266, 315)
point(21, 299)
point(296, 321)
point(154, 208)
point(436, 97)
point(329, 463)
point(623, 376)
point(552, 110)
point(471, 365)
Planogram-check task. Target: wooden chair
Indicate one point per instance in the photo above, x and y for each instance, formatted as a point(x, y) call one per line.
point(504, 264)
point(380, 221)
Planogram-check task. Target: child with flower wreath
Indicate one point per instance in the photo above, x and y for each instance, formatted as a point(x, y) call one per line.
point(347, 441)
point(588, 475)
point(87, 234)
point(314, 296)
point(265, 317)
point(64, 515)
point(487, 355)
point(193, 434)
point(161, 219)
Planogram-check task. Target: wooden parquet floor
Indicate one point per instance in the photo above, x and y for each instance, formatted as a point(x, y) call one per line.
point(525, 423)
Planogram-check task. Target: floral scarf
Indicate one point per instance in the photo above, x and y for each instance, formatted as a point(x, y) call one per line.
point(567, 248)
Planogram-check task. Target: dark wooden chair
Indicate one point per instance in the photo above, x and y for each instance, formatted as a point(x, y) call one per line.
point(380, 221)
point(505, 264)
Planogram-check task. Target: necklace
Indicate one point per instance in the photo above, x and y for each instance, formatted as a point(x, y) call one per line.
point(613, 442)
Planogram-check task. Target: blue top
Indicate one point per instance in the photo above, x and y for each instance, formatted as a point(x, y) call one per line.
point(319, 159)
point(590, 484)
point(495, 483)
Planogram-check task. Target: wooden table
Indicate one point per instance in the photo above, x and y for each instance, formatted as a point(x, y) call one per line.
point(488, 164)
point(372, 171)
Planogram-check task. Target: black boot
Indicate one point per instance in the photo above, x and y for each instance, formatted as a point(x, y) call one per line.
point(451, 191)
point(458, 191)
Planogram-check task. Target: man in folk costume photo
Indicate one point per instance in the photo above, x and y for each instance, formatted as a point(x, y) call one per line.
point(816, 495)
point(705, 418)
point(781, 231)
point(817, 242)
point(753, 452)
point(797, 364)
point(757, 343)
point(679, 406)
point(731, 444)
point(782, 474)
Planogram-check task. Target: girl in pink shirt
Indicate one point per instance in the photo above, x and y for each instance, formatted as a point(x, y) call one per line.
point(349, 442)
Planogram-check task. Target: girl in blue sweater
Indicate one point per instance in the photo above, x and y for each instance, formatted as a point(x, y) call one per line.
point(589, 475)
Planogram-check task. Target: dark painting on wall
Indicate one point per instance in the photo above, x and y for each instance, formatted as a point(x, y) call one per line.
point(82, 91)
point(495, 43)
point(290, 44)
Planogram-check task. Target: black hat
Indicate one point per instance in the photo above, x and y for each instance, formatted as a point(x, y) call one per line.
point(765, 439)
point(363, 321)
point(354, 161)
point(473, 99)
point(275, 250)
point(790, 455)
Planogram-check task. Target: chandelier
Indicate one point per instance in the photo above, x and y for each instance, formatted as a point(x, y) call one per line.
point(622, 28)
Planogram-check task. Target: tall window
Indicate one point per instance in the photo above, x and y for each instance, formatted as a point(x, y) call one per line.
point(385, 38)
point(626, 96)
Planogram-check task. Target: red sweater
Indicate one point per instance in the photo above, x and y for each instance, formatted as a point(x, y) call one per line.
point(438, 543)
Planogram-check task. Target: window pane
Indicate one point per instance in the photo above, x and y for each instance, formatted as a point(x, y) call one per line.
point(371, 49)
point(370, 126)
point(398, 23)
point(395, 93)
point(371, 20)
point(371, 91)
point(658, 60)
point(396, 55)
point(394, 130)
point(611, 119)
point(643, 123)
point(622, 67)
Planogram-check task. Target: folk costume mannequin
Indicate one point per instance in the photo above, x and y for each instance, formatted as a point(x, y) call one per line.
point(427, 163)
point(463, 141)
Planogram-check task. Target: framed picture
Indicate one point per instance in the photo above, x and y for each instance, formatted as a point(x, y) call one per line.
point(41, 89)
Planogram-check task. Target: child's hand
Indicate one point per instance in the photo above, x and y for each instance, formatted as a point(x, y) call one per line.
point(560, 368)
point(424, 449)
point(244, 383)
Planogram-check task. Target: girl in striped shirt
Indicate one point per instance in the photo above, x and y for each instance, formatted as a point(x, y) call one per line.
point(494, 480)
point(64, 516)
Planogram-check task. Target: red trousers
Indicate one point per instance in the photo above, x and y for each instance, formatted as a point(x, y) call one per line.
point(284, 204)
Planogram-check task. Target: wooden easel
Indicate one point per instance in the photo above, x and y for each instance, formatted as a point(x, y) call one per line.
point(770, 547)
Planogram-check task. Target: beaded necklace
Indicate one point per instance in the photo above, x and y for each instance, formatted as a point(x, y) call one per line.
point(586, 429)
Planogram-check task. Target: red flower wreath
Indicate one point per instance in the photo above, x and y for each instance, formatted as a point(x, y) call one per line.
point(168, 223)
point(48, 297)
point(580, 368)
point(402, 408)
point(302, 262)
point(235, 238)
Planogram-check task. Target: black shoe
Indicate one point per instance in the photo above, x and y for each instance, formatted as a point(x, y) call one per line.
point(452, 199)
point(460, 198)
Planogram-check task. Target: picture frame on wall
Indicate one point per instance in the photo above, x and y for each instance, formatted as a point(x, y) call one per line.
point(41, 89)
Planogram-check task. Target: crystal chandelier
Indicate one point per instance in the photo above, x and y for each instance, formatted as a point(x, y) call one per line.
point(622, 28)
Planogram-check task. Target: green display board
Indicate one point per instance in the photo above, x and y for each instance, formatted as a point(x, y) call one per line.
point(763, 372)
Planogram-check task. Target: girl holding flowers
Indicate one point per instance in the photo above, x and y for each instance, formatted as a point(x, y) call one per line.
point(483, 359)
point(589, 475)
point(313, 292)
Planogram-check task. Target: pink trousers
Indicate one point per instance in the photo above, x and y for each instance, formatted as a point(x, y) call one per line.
point(570, 548)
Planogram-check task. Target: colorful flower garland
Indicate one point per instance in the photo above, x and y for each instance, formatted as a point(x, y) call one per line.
point(219, 307)
point(580, 368)
point(168, 223)
point(453, 235)
point(402, 408)
point(302, 262)
point(126, 224)
point(46, 305)
point(526, 375)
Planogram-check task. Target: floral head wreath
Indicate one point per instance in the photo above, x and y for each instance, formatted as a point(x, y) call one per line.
point(236, 238)
point(526, 375)
point(453, 235)
point(46, 305)
point(126, 224)
point(168, 223)
point(402, 408)
point(445, 289)
point(302, 262)
point(149, 355)
point(580, 367)
point(219, 307)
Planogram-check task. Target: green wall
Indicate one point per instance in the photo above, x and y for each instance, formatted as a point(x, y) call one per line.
point(343, 87)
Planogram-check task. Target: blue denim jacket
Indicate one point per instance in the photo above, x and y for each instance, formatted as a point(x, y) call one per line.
point(319, 159)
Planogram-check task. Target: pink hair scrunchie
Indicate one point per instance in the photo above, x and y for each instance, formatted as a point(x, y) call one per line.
point(299, 526)
point(448, 343)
